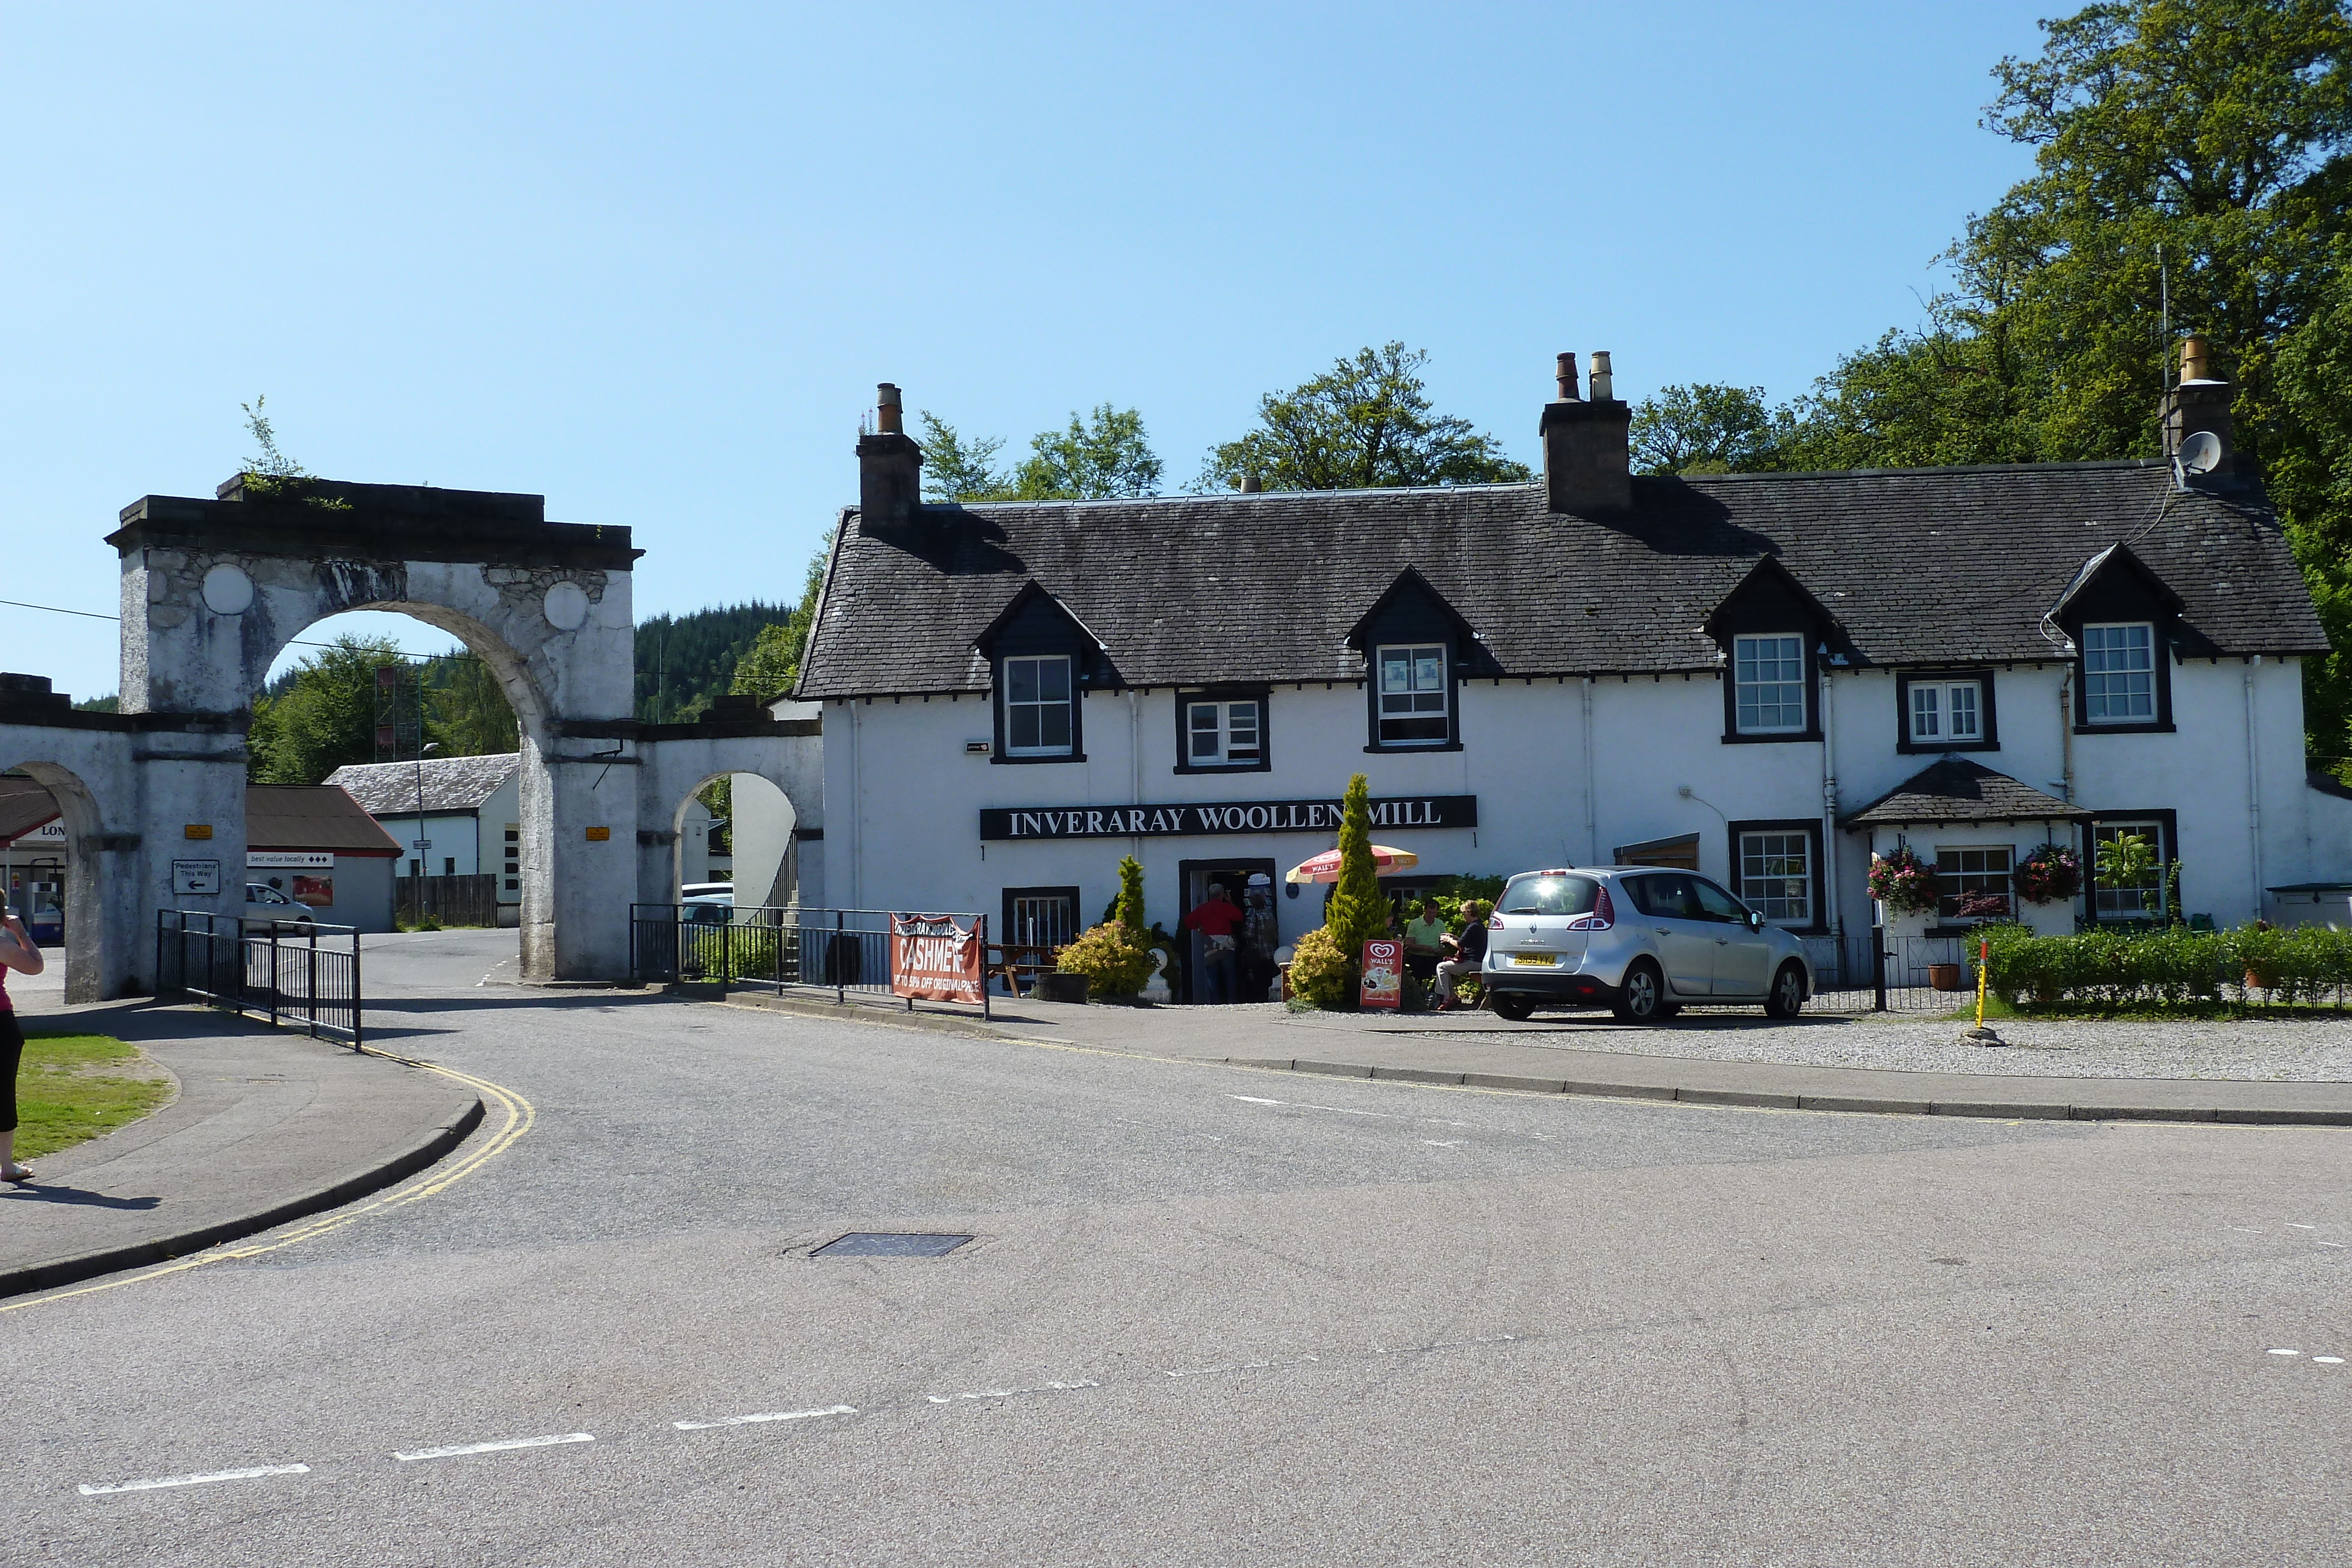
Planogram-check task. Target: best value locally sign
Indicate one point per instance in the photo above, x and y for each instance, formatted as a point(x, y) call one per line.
point(1227, 817)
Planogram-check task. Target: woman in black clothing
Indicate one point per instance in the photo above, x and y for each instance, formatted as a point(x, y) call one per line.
point(1468, 950)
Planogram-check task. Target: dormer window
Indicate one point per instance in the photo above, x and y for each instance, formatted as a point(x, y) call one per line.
point(1038, 702)
point(1769, 683)
point(2120, 673)
point(1414, 694)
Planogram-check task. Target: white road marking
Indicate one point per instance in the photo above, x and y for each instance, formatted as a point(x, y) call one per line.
point(1446, 1143)
point(194, 1480)
point(2297, 1225)
point(2338, 1245)
point(1341, 1110)
point(2249, 1230)
point(2329, 1360)
point(1009, 1393)
point(454, 1450)
point(2286, 1353)
point(764, 1416)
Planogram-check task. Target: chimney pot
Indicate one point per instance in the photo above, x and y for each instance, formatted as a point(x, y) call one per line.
point(889, 466)
point(893, 417)
point(1251, 485)
point(2200, 403)
point(1567, 372)
point(1604, 385)
point(2196, 362)
point(1587, 446)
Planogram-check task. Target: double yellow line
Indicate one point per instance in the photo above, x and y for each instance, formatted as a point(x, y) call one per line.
point(519, 1115)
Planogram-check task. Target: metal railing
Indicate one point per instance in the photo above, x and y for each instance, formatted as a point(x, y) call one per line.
point(844, 951)
point(1871, 971)
point(267, 968)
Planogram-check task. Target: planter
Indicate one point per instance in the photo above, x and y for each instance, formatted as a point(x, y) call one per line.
point(1944, 977)
point(1059, 987)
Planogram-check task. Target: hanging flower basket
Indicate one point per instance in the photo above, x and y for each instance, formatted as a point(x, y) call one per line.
point(1903, 882)
point(2051, 874)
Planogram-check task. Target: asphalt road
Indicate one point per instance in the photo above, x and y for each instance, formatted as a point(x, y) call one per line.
point(1210, 1316)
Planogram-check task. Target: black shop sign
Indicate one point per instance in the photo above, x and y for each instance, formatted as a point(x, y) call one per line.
point(1205, 820)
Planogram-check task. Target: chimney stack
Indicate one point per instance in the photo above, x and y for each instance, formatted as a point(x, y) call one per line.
point(889, 466)
point(1587, 446)
point(2202, 402)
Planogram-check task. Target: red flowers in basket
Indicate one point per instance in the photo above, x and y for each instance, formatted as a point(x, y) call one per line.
point(2051, 874)
point(1903, 882)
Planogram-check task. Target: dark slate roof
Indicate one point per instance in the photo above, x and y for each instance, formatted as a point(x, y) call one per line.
point(311, 817)
point(450, 783)
point(1958, 790)
point(1917, 566)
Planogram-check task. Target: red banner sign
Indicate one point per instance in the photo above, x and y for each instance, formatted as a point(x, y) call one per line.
point(1383, 984)
point(933, 960)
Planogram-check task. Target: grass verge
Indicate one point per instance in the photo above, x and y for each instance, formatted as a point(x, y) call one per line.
point(1996, 1009)
point(76, 1087)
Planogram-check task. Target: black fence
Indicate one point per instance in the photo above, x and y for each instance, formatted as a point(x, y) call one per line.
point(448, 900)
point(845, 951)
point(274, 969)
point(1871, 971)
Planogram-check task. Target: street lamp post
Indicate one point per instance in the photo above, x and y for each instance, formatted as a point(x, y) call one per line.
point(420, 844)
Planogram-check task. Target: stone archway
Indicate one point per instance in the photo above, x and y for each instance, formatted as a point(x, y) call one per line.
point(213, 589)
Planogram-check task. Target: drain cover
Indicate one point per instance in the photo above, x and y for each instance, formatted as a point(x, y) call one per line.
point(891, 1244)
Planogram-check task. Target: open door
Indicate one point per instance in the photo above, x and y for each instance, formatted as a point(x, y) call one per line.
point(1250, 884)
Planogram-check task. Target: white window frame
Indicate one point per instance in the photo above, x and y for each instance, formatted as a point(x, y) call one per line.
point(1068, 703)
point(1748, 655)
point(1414, 703)
point(1940, 711)
point(1222, 731)
point(2097, 699)
point(1751, 885)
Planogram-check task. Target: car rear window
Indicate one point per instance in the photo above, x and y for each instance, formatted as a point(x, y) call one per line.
point(1547, 895)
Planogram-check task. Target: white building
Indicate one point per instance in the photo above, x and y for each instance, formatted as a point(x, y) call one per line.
point(1765, 677)
point(467, 809)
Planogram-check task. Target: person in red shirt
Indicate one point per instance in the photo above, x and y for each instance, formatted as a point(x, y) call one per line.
point(17, 952)
point(1216, 918)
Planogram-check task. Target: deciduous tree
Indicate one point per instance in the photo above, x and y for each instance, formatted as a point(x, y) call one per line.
point(1364, 423)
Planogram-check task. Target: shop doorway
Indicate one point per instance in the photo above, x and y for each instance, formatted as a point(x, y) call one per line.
point(1250, 884)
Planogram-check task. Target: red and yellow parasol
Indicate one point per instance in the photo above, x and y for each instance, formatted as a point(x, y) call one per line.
point(1325, 867)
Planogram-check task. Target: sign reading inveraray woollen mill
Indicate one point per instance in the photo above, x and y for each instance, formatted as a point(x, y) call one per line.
point(1202, 819)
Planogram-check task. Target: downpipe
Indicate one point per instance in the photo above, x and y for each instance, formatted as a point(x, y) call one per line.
point(2253, 793)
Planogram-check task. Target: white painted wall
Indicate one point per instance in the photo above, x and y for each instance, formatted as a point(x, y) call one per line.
point(907, 796)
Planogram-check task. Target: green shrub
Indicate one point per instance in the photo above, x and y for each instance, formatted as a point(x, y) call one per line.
point(1322, 972)
point(1115, 964)
point(2172, 965)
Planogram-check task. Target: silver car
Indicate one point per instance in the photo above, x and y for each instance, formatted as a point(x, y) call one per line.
point(1642, 941)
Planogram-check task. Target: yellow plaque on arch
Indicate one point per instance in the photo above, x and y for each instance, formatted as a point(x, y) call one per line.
point(198, 829)
point(598, 835)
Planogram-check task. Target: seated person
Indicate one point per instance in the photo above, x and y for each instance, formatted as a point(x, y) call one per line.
point(1424, 940)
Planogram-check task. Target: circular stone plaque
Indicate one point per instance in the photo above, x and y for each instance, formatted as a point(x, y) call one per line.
point(227, 591)
point(567, 606)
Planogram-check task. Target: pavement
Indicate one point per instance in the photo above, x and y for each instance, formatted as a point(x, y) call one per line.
point(1208, 1314)
point(264, 1127)
point(1547, 1060)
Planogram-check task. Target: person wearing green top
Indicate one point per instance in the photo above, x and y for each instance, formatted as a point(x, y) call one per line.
point(1422, 935)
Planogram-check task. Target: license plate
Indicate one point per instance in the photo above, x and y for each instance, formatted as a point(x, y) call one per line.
point(1533, 960)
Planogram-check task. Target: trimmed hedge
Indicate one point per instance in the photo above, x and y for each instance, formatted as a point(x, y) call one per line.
point(2306, 963)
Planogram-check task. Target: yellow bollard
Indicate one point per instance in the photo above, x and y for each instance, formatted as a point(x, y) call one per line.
point(1984, 961)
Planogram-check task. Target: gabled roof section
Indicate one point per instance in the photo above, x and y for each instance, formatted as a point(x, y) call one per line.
point(1193, 590)
point(1031, 593)
point(311, 817)
point(1957, 790)
point(1770, 570)
point(23, 806)
point(1410, 582)
point(444, 783)
point(2115, 558)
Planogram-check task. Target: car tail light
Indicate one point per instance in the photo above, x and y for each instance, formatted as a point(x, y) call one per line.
point(1494, 923)
point(1603, 916)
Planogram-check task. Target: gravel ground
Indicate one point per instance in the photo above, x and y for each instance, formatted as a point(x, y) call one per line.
point(2280, 1050)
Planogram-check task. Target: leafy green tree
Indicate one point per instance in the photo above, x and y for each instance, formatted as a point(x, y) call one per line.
point(2310, 475)
point(1364, 423)
point(1107, 456)
point(1130, 900)
point(1709, 429)
point(326, 717)
point(469, 708)
point(955, 469)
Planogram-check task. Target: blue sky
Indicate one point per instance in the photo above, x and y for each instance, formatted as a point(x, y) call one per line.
point(650, 262)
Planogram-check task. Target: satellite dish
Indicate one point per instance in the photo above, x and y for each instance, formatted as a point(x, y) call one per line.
point(2200, 454)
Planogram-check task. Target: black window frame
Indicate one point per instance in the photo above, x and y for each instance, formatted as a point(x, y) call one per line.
point(1226, 693)
point(1732, 733)
point(1007, 931)
point(1078, 752)
point(2161, 659)
point(2168, 821)
point(1452, 683)
point(1812, 828)
point(1987, 710)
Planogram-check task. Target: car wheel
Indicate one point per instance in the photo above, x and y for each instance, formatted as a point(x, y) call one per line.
point(1518, 1009)
point(1643, 997)
point(1788, 998)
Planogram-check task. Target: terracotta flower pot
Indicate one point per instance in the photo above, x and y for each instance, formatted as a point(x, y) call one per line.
point(1944, 977)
